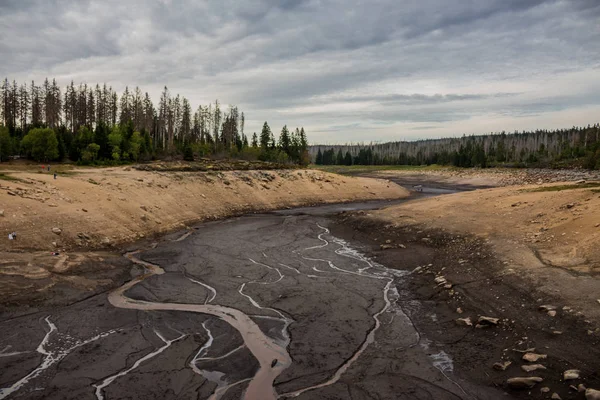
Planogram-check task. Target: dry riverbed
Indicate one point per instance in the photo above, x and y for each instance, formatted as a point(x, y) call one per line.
point(431, 298)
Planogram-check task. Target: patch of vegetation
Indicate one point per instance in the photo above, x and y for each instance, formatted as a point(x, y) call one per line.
point(361, 169)
point(5, 177)
point(559, 188)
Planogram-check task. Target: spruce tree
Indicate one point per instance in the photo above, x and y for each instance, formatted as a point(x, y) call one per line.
point(319, 159)
point(284, 140)
point(265, 136)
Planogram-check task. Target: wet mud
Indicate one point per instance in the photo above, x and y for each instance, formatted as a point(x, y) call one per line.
point(295, 304)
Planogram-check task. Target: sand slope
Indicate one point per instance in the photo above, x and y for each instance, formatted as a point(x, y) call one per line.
point(102, 207)
point(551, 237)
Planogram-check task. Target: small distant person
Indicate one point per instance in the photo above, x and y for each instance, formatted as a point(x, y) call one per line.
point(48, 168)
point(10, 236)
point(43, 168)
point(14, 235)
point(55, 175)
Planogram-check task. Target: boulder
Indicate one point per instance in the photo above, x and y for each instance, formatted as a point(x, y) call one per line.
point(532, 367)
point(57, 231)
point(487, 321)
point(592, 394)
point(501, 366)
point(523, 382)
point(533, 357)
point(571, 374)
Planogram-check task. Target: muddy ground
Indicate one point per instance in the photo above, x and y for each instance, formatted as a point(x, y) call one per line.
point(481, 286)
point(287, 267)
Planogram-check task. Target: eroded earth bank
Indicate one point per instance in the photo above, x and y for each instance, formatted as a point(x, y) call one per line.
point(305, 303)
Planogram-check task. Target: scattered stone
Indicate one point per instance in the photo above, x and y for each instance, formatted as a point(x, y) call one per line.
point(106, 241)
point(501, 366)
point(144, 217)
point(386, 246)
point(592, 394)
point(552, 313)
point(570, 205)
point(557, 332)
point(144, 208)
point(555, 396)
point(571, 374)
point(54, 244)
point(524, 382)
point(388, 241)
point(57, 231)
point(52, 205)
point(487, 320)
point(581, 387)
point(533, 367)
point(545, 389)
point(459, 310)
point(546, 307)
point(84, 210)
point(580, 182)
point(533, 357)
point(530, 350)
point(440, 280)
point(11, 193)
point(1, 213)
point(464, 321)
point(401, 246)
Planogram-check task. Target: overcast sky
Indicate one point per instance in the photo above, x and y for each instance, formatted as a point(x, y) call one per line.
point(346, 70)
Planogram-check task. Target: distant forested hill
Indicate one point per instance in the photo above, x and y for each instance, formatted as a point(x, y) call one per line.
point(577, 146)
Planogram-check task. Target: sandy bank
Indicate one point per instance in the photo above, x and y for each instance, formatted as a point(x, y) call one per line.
point(101, 207)
point(549, 237)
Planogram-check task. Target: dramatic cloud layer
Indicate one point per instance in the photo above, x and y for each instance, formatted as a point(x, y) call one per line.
point(346, 70)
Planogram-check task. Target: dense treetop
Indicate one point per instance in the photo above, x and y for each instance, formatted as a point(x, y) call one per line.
point(92, 124)
point(563, 147)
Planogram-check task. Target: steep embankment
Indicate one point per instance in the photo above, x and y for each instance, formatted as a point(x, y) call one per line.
point(101, 207)
point(547, 234)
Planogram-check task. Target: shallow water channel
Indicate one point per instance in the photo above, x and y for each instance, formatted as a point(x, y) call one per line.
point(256, 307)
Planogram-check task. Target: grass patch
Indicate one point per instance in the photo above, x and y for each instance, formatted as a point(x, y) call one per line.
point(361, 169)
point(559, 188)
point(9, 178)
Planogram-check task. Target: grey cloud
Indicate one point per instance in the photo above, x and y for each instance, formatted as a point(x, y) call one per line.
point(425, 62)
